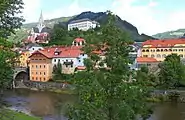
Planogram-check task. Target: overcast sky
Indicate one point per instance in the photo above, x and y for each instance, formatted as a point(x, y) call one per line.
point(149, 16)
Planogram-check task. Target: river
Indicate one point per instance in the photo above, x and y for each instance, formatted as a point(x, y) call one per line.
point(52, 106)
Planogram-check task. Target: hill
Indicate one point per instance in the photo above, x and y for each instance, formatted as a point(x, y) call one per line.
point(100, 17)
point(23, 32)
point(170, 34)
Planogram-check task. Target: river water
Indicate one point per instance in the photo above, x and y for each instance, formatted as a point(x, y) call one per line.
point(52, 106)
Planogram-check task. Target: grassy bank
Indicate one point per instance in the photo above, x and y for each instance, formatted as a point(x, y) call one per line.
point(6, 114)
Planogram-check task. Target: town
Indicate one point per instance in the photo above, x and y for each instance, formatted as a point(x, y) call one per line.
point(89, 65)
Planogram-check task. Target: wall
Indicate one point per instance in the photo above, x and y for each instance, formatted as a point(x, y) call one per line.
point(80, 25)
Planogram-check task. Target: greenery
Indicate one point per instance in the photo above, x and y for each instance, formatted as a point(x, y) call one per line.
point(108, 93)
point(170, 34)
point(172, 72)
point(9, 10)
point(6, 114)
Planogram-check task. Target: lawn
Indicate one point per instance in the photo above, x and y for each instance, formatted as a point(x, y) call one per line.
point(6, 114)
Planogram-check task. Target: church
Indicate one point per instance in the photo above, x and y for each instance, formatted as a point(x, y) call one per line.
point(40, 33)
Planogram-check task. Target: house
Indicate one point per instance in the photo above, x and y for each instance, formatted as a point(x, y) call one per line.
point(78, 42)
point(83, 24)
point(24, 58)
point(32, 47)
point(40, 66)
point(43, 62)
point(159, 49)
point(149, 62)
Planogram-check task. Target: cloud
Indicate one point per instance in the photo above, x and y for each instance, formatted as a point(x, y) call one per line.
point(138, 15)
point(31, 10)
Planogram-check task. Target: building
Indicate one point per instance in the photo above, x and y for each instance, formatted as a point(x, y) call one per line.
point(159, 49)
point(83, 24)
point(78, 42)
point(40, 66)
point(149, 62)
point(43, 62)
point(24, 58)
point(32, 47)
point(40, 33)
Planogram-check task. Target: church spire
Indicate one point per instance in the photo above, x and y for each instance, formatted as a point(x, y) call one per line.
point(41, 25)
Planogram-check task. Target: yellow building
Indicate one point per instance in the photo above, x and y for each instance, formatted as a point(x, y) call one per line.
point(24, 58)
point(159, 49)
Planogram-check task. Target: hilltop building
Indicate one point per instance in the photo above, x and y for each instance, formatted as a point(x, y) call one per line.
point(83, 24)
point(40, 33)
point(159, 49)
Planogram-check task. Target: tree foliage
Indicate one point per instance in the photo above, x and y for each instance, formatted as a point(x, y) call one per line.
point(172, 72)
point(107, 94)
point(9, 16)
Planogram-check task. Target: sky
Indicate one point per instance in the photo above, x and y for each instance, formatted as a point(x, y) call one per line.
point(149, 16)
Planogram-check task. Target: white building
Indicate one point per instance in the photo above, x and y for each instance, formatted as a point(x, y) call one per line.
point(32, 47)
point(83, 24)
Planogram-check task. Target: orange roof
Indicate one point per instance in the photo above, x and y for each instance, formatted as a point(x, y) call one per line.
point(79, 40)
point(64, 52)
point(146, 59)
point(164, 43)
point(81, 67)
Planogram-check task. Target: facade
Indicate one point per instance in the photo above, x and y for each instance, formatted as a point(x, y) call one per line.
point(40, 66)
point(159, 49)
point(149, 62)
point(24, 58)
point(32, 47)
point(83, 24)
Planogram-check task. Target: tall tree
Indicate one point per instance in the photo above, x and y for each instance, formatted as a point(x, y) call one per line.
point(172, 72)
point(10, 16)
point(105, 93)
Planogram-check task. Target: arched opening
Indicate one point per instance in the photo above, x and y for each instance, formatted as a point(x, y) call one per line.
point(21, 76)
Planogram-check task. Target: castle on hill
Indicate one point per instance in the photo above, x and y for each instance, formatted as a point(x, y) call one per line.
point(38, 34)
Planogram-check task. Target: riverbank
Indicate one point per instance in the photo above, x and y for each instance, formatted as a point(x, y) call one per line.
point(7, 114)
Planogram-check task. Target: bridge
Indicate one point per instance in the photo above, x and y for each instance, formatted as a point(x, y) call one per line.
point(20, 75)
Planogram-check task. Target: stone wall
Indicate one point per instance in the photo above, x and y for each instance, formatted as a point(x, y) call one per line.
point(43, 85)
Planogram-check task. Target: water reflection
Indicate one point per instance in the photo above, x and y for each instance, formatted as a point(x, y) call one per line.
point(49, 106)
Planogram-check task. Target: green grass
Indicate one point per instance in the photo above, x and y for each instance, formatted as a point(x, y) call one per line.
point(6, 114)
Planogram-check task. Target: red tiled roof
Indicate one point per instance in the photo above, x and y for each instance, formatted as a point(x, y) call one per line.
point(64, 52)
point(81, 68)
point(164, 43)
point(79, 40)
point(146, 59)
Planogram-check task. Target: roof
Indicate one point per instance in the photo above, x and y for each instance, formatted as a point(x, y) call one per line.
point(80, 20)
point(164, 43)
point(81, 68)
point(63, 52)
point(30, 45)
point(145, 59)
point(79, 40)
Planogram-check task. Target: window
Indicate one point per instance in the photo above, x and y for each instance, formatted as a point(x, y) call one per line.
point(36, 78)
point(158, 50)
point(32, 72)
point(163, 56)
point(44, 73)
point(44, 79)
point(32, 66)
point(180, 50)
point(40, 73)
point(40, 78)
point(152, 56)
point(181, 55)
point(36, 66)
point(147, 50)
point(161, 50)
point(44, 66)
point(145, 55)
point(36, 73)
point(40, 66)
point(58, 60)
point(158, 56)
point(79, 60)
point(32, 78)
point(71, 65)
point(55, 60)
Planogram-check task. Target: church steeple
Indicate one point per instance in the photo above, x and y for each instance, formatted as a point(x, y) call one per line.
point(41, 25)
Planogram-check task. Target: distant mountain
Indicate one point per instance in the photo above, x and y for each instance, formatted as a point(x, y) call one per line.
point(171, 34)
point(100, 17)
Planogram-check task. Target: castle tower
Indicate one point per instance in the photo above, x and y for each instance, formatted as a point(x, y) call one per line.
point(41, 25)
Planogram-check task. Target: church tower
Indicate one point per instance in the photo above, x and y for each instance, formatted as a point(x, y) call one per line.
point(41, 25)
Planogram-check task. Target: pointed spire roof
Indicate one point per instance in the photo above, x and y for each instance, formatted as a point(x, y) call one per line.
point(41, 25)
